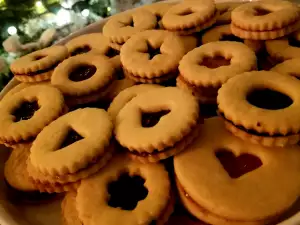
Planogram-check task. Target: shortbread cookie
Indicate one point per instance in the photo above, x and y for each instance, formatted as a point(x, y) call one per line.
point(265, 20)
point(126, 191)
point(189, 17)
point(119, 28)
point(150, 56)
point(262, 107)
point(224, 11)
point(145, 126)
point(223, 181)
point(79, 146)
point(126, 96)
point(284, 48)
point(289, 67)
point(39, 65)
point(214, 63)
point(15, 170)
point(83, 78)
point(223, 33)
point(24, 114)
point(69, 211)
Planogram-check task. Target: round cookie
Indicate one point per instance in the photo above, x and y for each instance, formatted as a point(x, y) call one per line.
point(15, 170)
point(126, 191)
point(224, 10)
point(284, 48)
point(79, 146)
point(223, 181)
point(126, 96)
point(119, 28)
point(289, 67)
point(262, 107)
point(265, 20)
point(39, 65)
point(24, 114)
point(150, 56)
point(223, 33)
point(83, 78)
point(145, 125)
point(69, 211)
point(189, 17)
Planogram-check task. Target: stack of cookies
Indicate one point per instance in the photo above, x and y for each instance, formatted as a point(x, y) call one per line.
point(120, 121)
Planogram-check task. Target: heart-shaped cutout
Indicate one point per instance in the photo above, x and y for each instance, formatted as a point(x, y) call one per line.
point(237, 166)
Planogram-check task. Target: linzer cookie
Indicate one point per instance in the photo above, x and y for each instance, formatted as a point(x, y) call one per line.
point(204, 69)
point(262, 107)
point(121, 27)
point(126, 190)
point(289, 67)
point(24, 114)
point(150, 56)
point(284, 48)
point(265, 20)
point(83, 78)
point(224, 10)
point(189, 17)
point(39, 65)
point(126, 96)
point(224, 181)
point(79, 146)
point(146, 125)
point(223, 33)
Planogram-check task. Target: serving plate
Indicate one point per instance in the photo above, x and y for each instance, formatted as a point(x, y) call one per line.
point(49, 212)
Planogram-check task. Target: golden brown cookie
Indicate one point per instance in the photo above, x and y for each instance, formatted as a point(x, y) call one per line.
point(126, 96)
point(69, 211)
point(24, 114)
point(83, 78)
point(79, 147)
point(214, 63)
point(223, 33)
point(145, 125)
point(119, 28)
point(15, 170)
point(262, 107)
point(284, 48)
point(224, 11)
point(189, 17)
point(39, 65)
point(126, 191)
point(150, 56)
point(223, 181)
point(289, 67)
point(265, 20)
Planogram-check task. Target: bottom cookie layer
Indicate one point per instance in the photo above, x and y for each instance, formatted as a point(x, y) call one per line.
point(34, 78)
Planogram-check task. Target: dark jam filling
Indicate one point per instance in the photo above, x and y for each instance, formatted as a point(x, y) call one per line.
point(39, 57)
point(215, 62)
point(268, 99)
point(126, 192)
point(112, 52)
point(82, 72)
point(81, 50)
point(40, 71)
point(237, 166)
point(25, 111)
point(152, 51)
point(186, 12)
point(261, 11)
point(230, 37)
point(71, 137)
point(152, 118)
point(294, 42)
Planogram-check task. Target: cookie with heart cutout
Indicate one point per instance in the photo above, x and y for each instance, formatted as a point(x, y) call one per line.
point(126, 190)
point(262, 107)
point(145, 126)
point(79, 147)
point(223, 180)
point(39, 65)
